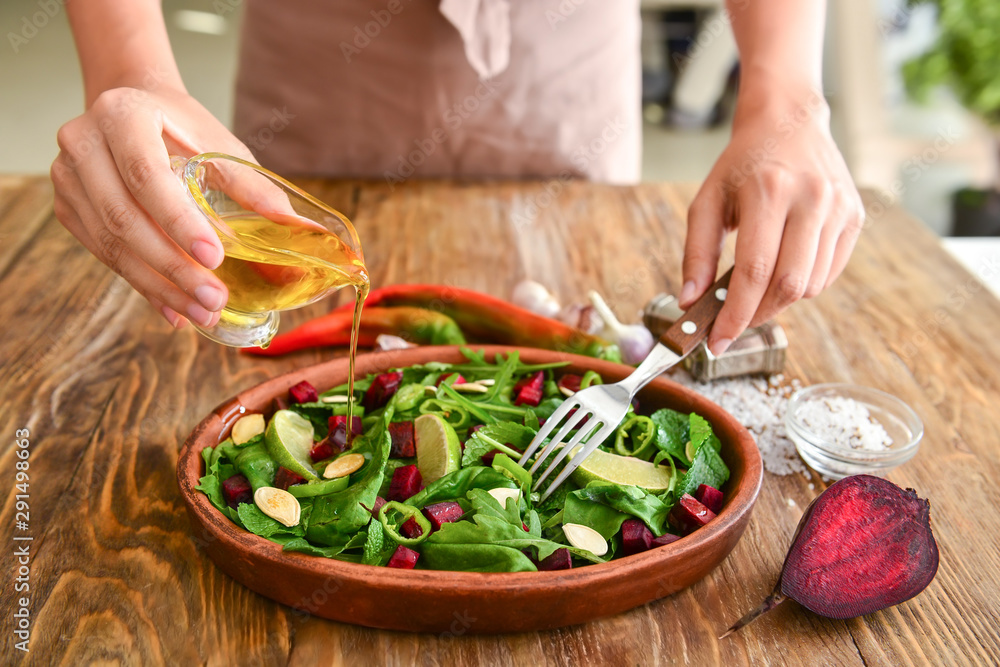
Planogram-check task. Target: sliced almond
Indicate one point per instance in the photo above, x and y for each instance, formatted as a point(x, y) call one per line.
point(586, 538)
point(336, 399)
point(247, 427)
point(502, 495)
point(566, 391)
point(470, 388)
point(344, 465)
point(278, 504)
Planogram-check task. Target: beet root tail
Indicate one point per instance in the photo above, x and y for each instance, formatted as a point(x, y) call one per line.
point(769, 603)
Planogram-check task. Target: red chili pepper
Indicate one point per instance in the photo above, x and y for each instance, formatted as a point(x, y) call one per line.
point(486, 318)
point(417, 325)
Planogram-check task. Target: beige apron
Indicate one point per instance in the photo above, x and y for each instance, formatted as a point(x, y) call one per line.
point(394, 89)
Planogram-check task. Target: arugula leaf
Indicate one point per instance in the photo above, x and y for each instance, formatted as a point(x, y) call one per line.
point(673, 430)
point(507, 466)
point(344, 512)
point(211, 483)
point(604, 507)
point(378, 547)
point(707, 468)
point(497, 436)
point(456, 485)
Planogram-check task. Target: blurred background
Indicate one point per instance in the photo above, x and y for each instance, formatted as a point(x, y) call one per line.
point(914, 89)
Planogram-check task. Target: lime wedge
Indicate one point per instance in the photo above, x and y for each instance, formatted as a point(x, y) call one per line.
point(604, 467)
point(289, 438)
point(438, 449)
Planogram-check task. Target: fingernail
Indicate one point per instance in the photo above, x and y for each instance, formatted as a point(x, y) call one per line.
point(687, 292)
point(199, 315)
point(720, 346)
point(172, 317)
point(209, 296)
point(209, 255)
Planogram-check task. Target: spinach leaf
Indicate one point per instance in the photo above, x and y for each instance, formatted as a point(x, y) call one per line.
point(343, 512)
point(257, 465)
point(673, 431)
point(456, 485)
point(336, 550)
point(604, 507)
point(261, 524)
point(211, 483)
point(707, 468)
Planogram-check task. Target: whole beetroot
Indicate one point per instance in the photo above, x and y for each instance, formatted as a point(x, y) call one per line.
point(863, 545)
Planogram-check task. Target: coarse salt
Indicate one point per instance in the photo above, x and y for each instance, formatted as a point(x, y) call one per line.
point(759, 404)
point(844, 422)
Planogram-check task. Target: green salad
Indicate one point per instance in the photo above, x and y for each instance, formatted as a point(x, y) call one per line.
point(426, 474)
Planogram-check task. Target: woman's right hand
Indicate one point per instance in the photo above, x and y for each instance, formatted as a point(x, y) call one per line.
point(116, 193)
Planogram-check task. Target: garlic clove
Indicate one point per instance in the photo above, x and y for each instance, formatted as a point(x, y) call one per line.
point(278, 504)
point(533, 296)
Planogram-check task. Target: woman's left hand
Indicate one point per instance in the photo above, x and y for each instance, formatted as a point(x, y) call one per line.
point(784, 185)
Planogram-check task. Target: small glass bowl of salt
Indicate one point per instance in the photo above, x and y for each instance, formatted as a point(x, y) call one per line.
point(845, 429)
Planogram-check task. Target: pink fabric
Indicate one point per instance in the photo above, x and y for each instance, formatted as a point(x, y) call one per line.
point(391, 89)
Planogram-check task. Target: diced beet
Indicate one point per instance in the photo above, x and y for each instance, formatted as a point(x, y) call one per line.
point(458, 380)
point(570, 382)
point(405, 483)
point(341, 420)
point(323, 449)
point(403, 444)
point(664, 540)
point(525, 526)
point(379, 501)
point(529, 391)
point(440, 513)
point(285, 478)
point(403, 558)
point(338, 432)
point(689, 514)
point(383, 388)
point(541, 421)
point(559, 559)
point(473, 429)
point(411, 528)
point(237, 490)
point(636, 537)
point(303, 392)
point(710, 497)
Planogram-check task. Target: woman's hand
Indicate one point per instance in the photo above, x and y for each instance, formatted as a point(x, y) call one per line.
point(115, 191)
point(783, 184)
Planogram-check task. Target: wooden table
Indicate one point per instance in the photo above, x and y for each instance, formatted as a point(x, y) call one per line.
point(108, 392)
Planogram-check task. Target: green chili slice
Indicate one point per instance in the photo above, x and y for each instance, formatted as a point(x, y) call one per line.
point(641, 431)
point(408, 512)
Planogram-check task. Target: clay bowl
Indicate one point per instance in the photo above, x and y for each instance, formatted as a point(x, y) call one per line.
point(462, 602)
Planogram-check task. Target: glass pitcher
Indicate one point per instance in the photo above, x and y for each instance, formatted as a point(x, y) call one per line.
point(284, 248)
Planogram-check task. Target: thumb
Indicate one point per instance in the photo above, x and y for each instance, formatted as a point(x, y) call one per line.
point(705, 235)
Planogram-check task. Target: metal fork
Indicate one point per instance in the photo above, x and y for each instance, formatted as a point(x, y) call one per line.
point(598, 410)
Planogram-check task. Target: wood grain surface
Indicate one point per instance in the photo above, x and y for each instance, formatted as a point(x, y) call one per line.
point(109, 391)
